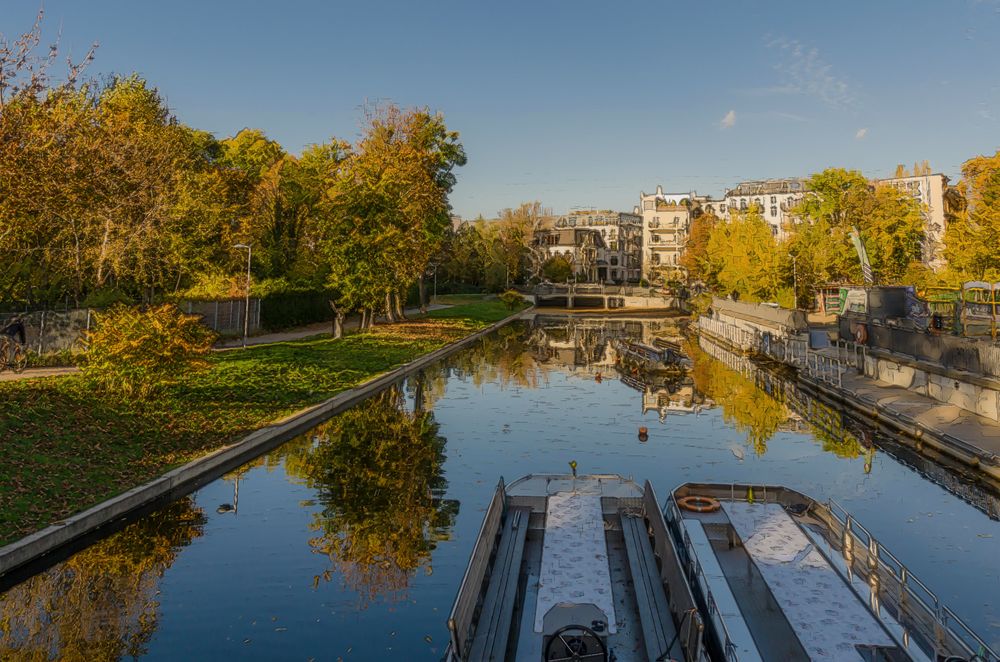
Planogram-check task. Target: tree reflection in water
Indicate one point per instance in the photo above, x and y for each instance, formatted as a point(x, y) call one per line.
point(749, 409)
point(99, 604)
point(377, 471)
point(760, 403)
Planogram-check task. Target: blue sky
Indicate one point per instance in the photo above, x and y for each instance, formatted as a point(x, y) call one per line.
point(576, 103)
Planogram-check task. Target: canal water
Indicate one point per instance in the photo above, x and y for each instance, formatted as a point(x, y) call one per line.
point(350, 541)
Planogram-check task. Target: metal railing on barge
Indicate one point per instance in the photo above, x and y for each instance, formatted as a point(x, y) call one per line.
point(889, 580)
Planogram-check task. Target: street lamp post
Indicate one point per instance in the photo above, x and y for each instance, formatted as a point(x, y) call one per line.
point(795, 281)
point(246, 310)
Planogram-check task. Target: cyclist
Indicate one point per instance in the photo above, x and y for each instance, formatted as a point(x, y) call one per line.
point(15, 330)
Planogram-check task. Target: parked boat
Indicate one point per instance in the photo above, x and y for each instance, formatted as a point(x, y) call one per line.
point(778, 575)
point(574, 568)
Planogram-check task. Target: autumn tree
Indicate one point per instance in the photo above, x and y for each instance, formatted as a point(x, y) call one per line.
point(742, 257)
point(387, 212)
point(695, 257)
point(972, 238)
point(840, 202)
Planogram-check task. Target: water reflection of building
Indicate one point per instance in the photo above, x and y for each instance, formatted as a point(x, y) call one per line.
point(642, 352)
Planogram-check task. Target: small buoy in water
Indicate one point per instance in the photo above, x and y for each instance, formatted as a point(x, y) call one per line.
point(598, 378)
point(643, 433)
point(572, 465)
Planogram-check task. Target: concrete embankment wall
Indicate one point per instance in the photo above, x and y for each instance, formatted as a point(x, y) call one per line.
point(935, 414)
point(973, 393)
point(189, 477)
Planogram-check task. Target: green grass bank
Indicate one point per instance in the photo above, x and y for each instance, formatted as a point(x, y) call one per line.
point(67, 448)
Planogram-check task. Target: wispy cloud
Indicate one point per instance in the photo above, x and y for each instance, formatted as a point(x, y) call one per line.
point(860, 135)
point(804, 71)
point(788, 116)
point(728, 120)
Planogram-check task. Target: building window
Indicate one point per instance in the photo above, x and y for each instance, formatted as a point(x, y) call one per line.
point(774, 211)
point(655, 238)
point(774, 199)
point(655, 259)
point(614, 261)
point(743, 205)
point(722, 209)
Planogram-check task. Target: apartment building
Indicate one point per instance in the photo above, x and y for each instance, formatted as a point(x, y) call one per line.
point(775, 199)
point(620, 260)
point(583, 248)
point(666, 223)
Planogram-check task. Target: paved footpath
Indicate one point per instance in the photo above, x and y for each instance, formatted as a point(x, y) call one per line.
point(264, 339)
point(306, 331)
point(37, 373)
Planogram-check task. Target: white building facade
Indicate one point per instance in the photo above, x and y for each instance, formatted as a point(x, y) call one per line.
point(666, 224)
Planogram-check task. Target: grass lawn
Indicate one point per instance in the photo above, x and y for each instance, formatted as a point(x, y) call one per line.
point(65, 448)
point(485, 311)
point(457, 299)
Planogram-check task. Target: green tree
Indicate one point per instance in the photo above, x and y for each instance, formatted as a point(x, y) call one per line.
point(557, 269)
point(387, 212)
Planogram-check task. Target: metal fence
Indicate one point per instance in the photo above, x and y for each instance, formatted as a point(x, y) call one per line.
point(825, 366)
point(225, 316)
point(50, 331)
point(975, 355)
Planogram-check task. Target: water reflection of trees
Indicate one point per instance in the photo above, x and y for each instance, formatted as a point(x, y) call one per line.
point(760, 404)
point(99, 604)
point(744, 406)
point(377, 472)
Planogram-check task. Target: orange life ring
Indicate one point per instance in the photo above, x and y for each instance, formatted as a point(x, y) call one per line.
point(860, 334)
point(699, 504)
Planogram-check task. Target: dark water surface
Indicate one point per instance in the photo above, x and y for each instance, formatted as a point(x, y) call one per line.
point(349, 542)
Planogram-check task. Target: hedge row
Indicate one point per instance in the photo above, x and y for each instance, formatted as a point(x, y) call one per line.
point(291, 309)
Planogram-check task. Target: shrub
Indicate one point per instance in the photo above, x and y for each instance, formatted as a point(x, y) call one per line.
point(557, 269)
point(133, 352)
point(105, 298)
point(511, 299)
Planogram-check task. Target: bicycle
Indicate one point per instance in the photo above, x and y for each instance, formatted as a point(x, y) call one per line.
point(13, 355)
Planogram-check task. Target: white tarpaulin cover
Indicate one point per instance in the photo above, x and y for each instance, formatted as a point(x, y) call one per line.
point(825, 614)
point(574, 557)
